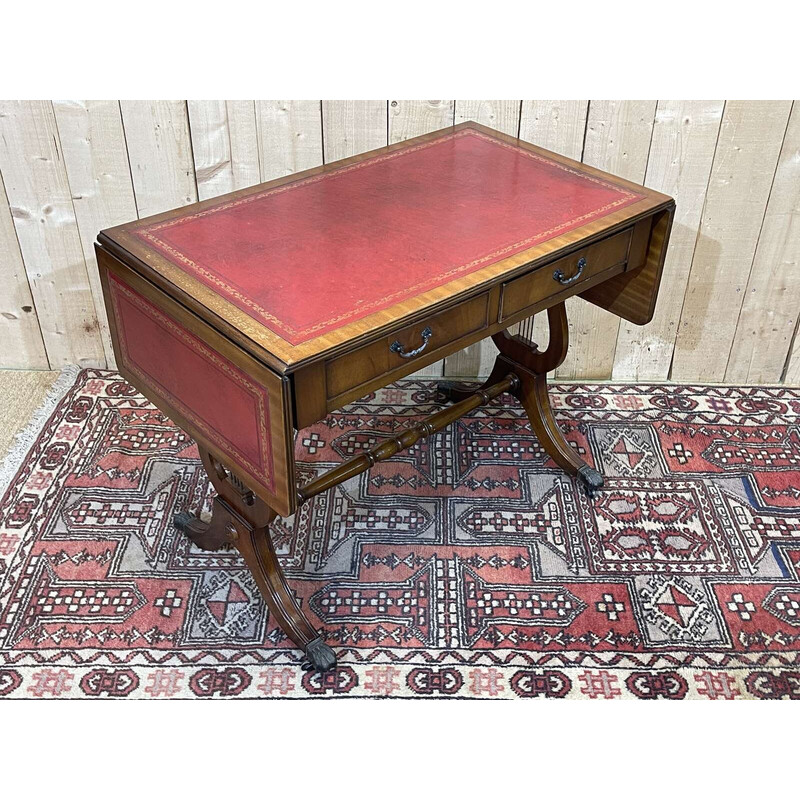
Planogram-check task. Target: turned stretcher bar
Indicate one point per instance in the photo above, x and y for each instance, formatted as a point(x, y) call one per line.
point(386, 449)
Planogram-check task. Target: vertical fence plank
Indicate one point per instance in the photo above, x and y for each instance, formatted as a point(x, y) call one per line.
point(44, 220)
point(617, 140)
point(558, 125)
point(224, 145)
point(96, 161)
point(502, 115)
point(160, 152)
point(747, 153)
point(243, 129)
point(289, 136)
point(792, 377)
point(350, 127)
point(409, 118)
point(772, 301)
point(684, 140)
point(23, 347)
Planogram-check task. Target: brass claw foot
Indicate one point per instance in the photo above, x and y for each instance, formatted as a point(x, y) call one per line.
point(320, 656)
point(207, 536)
point(592, 480)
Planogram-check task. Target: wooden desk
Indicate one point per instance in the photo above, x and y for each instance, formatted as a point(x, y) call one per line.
point(250, 316)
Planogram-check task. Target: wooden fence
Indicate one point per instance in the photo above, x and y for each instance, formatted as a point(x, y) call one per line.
point(729, 307)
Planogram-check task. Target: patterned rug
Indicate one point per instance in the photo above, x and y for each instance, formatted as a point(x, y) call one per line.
point(467, 567)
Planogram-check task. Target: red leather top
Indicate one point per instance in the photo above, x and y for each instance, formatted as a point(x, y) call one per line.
point(307, 257)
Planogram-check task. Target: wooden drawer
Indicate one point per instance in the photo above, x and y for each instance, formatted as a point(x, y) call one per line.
point(566, 275)
point(356, 368)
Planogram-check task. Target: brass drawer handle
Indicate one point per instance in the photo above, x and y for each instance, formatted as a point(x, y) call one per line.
point(559, 276)
point(396, 347)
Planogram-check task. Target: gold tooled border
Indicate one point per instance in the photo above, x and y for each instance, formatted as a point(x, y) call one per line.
point(266, 472)
point(302, 335)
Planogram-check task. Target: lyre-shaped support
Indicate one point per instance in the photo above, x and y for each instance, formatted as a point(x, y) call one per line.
point(530, 365)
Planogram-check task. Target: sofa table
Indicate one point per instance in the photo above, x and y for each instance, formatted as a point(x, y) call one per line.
point(251, 316)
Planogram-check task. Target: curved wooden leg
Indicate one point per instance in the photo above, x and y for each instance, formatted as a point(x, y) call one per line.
point(256, 548)
point(531, 366)
point(242, 519)
point(536, 402)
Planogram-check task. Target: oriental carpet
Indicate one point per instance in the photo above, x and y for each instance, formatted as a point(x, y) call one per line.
point(467, 567)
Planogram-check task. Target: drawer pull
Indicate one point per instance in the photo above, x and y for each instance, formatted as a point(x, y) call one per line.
point(559, 276)
point(396, 347)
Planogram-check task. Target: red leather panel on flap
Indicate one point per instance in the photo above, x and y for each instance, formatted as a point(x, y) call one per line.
point(307, 257)
point(225, 404)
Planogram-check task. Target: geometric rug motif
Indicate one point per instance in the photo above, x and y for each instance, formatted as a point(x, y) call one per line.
point(467, 566)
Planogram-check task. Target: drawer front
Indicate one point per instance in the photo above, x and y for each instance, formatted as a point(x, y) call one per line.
point(351, 370)
point(566, 275)
point(220, 395)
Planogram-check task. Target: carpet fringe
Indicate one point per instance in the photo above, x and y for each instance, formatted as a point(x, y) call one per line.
point(28, 435)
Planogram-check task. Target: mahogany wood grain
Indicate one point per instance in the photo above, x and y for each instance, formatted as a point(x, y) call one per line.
point(309, 394)
point(632, 295)
point(354, 369)
point(541, 284)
